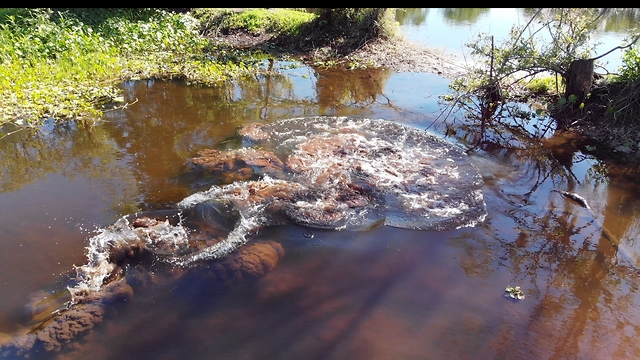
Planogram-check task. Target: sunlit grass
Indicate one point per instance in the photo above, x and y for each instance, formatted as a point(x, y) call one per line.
point(68, 63)
point(255, 21)
point(545, 85)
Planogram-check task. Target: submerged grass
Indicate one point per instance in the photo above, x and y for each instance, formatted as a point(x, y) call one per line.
point(68, 63)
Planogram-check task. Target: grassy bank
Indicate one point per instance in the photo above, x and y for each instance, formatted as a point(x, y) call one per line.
point(68, 63)
point(252, 21)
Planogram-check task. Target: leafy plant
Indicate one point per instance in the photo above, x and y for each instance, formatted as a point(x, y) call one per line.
point(523, 56)
point(545, 85)
point(630, 69)
point(514, 292)
point(554, 43)
point(66, 63)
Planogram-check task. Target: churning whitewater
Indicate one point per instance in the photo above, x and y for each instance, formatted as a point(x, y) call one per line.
point(336, 173)
point(321, 172)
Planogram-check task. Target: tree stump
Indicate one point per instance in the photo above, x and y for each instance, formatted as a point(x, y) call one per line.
point(579, 79)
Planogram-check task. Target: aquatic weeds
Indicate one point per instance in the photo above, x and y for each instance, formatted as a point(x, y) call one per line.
point(514, 292)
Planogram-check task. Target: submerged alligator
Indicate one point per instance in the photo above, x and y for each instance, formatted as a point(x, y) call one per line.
point(321, 172)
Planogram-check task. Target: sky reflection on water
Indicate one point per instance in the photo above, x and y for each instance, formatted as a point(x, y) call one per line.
point(386, 293)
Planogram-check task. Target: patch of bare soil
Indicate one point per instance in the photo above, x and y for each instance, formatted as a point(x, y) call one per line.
point(403, 56)
point(243, 40)
point(396, 54)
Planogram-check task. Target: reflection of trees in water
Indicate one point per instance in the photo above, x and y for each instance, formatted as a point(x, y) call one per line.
point(158, 132)
point(463, 15)
point(571, 268)
point(265, 88)
point(621, 20)
point(567, 271)
point(613, 19)
point(171, 121)
point(75, 152)
point(412, 16)
point(610, 19)
point(270, 93)
point(137, 150)
point(556, 249)
point(355, 89)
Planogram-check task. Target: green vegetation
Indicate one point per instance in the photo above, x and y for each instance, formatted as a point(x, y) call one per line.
point(253, 21)
point(544, 85)
point(68, 63)
point(551, 55)
point(514, 292)
point(630, 69)
point(367, 23)
point(330, 34)
point(332, 37)
point(507, 66)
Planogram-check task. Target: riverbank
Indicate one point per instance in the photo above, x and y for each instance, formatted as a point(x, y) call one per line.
point(614, 140)
point(322, 47)
point(69, 63)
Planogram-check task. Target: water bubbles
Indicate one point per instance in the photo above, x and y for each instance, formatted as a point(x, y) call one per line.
point(337, 173)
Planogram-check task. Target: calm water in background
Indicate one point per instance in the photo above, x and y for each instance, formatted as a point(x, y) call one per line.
point(386, 293)
point(449, 29)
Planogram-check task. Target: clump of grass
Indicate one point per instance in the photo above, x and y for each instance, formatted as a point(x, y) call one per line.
point(336, 33)
point(254, 21)
point(545, 85)
point(68, 63)
point(358, 23)
point(51, 69)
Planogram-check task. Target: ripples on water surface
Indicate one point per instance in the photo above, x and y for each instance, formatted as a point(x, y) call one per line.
point(383, 293)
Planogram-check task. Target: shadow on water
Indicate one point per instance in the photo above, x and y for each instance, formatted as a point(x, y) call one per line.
point(384, 293)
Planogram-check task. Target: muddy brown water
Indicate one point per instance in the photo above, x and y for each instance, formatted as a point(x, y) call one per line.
point(378, 294)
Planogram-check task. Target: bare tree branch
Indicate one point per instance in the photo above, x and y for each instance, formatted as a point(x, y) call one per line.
point(617, 48)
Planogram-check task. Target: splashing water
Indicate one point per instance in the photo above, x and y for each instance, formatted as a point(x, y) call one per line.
point(348, 173)
point(339, 173)
point(114, 242)
point(320, 172)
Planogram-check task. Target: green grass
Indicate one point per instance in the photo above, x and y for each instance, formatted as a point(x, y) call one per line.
point(545, 85)
point(255, 21)
point(68, 63)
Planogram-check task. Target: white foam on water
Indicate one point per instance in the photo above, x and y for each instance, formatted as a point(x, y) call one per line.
point(341, 173)
point(99, 267)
